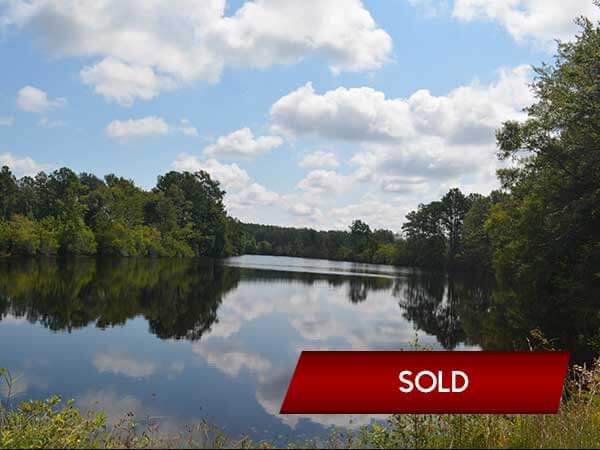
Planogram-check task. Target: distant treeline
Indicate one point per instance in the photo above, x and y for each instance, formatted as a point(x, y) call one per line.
point(449, 233)
point(68, 214)
point(63, 213)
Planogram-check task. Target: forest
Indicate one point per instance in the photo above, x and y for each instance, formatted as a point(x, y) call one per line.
point(540, 228)
point(64, 213)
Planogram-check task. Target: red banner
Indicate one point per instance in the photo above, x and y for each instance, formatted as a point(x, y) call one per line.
point(361, 382)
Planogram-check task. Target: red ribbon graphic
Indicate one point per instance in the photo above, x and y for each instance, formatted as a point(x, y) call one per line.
point(387, 382)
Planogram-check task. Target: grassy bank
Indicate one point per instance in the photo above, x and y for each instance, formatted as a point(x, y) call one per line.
point(52, 424)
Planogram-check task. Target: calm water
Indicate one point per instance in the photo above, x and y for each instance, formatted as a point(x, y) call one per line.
point(176, 341)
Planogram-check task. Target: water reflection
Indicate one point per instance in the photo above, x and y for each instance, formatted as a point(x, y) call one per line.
point(190, 339)
point(178, 298)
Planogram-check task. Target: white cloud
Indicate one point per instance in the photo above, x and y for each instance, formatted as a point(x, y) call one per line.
point(35, 100)
point(254, 194)
point(374, 211)
point(123, 83)
point(409, 146)
point(402, 184)
point(188, 129)
point(542, 21)
point(319, 159)
point(229, 175)
point(146, 47)
point(467, 114)
point(325, 181)
point(243, 143)
point(7, 121)
point(23, 166)
point(355, 114)
point(302, 209)
point(146, 126)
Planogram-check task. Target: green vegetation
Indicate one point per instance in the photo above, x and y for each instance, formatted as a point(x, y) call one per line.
point(359, 244)
point(68, 214)
point(47, 424)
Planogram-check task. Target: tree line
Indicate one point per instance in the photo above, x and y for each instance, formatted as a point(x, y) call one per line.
point(449, 233)
point(63, 213)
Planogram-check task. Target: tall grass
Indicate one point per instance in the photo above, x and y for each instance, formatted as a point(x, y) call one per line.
point(52, 424)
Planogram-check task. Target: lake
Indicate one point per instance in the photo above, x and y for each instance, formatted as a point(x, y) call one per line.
point(176, 341)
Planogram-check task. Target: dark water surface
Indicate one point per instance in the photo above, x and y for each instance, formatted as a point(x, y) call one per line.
point(176, 341)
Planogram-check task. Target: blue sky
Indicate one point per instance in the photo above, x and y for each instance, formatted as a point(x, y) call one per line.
point(310, 113)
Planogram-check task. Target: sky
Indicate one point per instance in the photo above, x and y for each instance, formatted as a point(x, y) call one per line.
point(309, 113)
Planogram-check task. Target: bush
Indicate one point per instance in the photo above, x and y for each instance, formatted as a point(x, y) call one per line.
point(49, 238)
point(385, 254)
point(76, 238)
point(49, 424)
point(20, 236)
point(176, 248)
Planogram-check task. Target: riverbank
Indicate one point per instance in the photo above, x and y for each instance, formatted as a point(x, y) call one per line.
point(52, 424)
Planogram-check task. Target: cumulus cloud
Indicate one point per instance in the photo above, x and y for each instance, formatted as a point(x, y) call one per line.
point(319, 159)
point(468, 114)
point(229, 175)
point(35, 100)
point(243, 143)
point(146, 126)
point(407, 150)
point(402, 184)
point(539, 20)
point(123, 83)
point(24, 166)
point(302, 209)
point(325, 181)
point(408, 146)
point(187, 128)
point(164, 44)
point(373, 210)
point(355, 114)
point(254, 194)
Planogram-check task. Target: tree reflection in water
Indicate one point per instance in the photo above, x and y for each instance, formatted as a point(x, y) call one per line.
point(179, 298)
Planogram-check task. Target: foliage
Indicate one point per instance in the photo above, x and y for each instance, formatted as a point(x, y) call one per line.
point(69, 214)
point(545, 235)
point(41, 424)
point(52, 424)
point(359, 244)
point(47, 424)
point(575, 426)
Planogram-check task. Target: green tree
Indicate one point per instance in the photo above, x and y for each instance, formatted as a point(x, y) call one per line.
point(199, 203)
point(8, 192)
point(361, 240)
point(425, 240)
point(546, 235)
point(20, 237)
point(453, 208)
